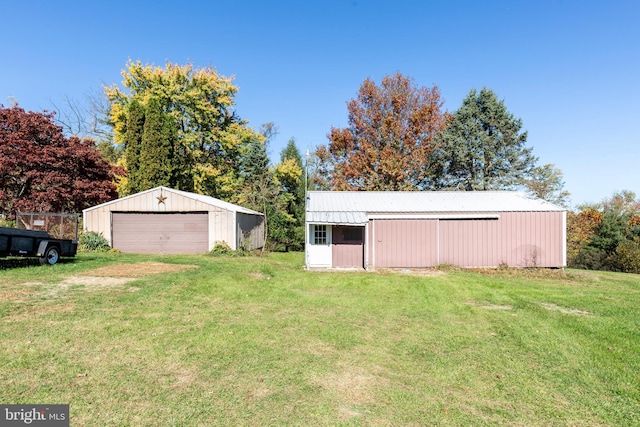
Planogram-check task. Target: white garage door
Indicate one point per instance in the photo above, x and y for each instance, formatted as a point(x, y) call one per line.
point(160, 233)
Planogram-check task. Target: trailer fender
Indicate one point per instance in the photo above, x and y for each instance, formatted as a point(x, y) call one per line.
point(48, 252)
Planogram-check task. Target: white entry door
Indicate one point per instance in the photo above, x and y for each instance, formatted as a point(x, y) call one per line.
point(319, 245)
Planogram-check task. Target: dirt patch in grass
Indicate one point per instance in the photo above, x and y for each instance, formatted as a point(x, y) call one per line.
point(95, 281)
point(429, 272)
point(259, 276)
point(138, 270)
point(115, 275)
point(354, 386)
point(16, 295)
point(489, 306)
point(555, 307)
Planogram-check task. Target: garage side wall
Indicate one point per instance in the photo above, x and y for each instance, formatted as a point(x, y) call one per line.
point(250, 231)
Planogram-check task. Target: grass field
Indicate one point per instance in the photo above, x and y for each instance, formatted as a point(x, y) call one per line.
point(198, 340)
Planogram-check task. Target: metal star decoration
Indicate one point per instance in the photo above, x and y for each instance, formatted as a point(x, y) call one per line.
point(161, 199)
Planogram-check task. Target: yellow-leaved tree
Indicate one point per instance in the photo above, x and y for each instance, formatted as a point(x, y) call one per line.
point(210, 138)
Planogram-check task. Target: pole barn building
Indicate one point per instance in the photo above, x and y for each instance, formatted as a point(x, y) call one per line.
point(368, 229)
point(164, 220)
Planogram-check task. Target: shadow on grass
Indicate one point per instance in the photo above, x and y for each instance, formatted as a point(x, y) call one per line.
point(20, 262)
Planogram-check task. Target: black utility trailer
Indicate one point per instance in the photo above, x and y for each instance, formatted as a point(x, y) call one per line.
point(33, 243)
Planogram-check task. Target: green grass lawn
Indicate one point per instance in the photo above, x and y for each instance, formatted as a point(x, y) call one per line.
point(260, 341)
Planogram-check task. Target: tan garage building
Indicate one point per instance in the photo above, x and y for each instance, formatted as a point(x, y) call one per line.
point(164, 220)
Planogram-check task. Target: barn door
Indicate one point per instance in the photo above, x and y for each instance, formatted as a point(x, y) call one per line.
point(348, 246)
point(405, 243)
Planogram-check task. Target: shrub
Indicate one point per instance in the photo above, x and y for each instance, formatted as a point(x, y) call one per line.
point(93, 242)
point(221, 248)
point(589, 258)
point(628, 256)
point(6, 222)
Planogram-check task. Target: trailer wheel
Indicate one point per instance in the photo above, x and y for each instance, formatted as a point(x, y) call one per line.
point(51, 256)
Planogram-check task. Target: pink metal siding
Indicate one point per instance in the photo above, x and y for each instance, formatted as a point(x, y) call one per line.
point(403, 243)
point(347, 251)
point(518, 239)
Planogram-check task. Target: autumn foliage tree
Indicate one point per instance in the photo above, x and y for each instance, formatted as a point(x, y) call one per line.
point(210, 139)
point(43, 171)
point(606, 235)
point(390, 135)
point(581, 227)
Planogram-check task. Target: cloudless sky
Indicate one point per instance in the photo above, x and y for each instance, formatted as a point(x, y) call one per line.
point(569, 69)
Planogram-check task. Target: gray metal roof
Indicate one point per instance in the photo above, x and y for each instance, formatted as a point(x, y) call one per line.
point(339, 218)
point(352, 207)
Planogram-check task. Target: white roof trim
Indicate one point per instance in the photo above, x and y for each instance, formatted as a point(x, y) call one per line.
point(441, 216)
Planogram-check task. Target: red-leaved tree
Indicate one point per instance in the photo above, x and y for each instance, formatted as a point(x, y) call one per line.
point(41, 170)
point(391, 133)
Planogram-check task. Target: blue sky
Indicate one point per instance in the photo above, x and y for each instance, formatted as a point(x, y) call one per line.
point(569, 69)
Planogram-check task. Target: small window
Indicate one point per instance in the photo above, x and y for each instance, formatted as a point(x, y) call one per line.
point(352, 234)
point(319, 236)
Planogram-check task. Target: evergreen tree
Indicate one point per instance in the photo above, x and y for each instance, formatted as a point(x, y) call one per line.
point(133, 146)
point(292, 183)
point(255, 164)
point(277, 192)
point(156, 153)
point(290, 175)
point(483, 148)
point(259, 192)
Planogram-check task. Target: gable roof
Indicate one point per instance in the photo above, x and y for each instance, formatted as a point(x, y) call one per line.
point(199, 197)
point(353, 207)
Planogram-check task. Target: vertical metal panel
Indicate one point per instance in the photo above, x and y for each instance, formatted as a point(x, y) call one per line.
point(98, 221)
point(404, 243)
point(347, 251)
point(518, 239)
point(469, 243)
point(221, 225)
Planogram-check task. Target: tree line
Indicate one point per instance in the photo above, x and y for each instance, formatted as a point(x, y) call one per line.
point(176, 126)
point(399, 137)
point(605, 235)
